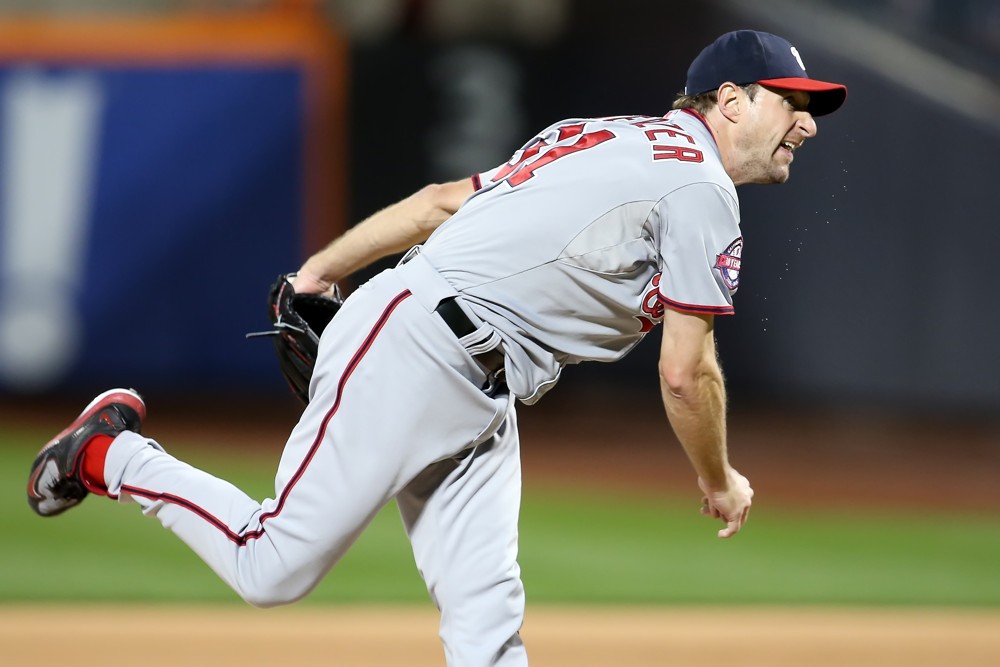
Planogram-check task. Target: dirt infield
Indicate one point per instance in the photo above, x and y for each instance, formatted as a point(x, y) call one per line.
point(612, 637)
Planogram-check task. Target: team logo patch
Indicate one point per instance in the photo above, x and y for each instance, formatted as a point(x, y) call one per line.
point(728, 263)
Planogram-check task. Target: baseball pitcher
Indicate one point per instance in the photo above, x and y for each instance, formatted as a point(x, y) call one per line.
point(595, 233)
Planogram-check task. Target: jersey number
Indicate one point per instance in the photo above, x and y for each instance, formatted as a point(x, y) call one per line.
point(519, 171)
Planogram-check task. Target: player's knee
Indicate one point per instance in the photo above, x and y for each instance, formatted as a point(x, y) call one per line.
point(266, 592)
point(266, 598)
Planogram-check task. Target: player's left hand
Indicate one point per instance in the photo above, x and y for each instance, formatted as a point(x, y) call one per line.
point(730, 504)
point(297, 322)
point(304, 282)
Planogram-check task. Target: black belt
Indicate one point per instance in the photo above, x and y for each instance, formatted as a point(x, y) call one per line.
point(462, 326)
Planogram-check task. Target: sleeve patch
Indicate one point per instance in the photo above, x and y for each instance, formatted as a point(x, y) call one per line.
point(728, 263)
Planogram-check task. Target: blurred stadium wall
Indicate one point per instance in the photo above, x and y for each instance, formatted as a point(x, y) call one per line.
point(144, 161)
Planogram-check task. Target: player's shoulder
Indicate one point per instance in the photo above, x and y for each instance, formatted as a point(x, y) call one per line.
point(673, 128)
point(678, 120)
point(664, 133)
point(677, 149)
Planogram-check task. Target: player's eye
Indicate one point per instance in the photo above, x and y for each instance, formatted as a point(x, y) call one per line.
point(795, 103)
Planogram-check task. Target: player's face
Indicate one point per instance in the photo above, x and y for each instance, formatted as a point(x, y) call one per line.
point(777, 124)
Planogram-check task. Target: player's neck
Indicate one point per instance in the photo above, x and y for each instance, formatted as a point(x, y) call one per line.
point(723, 131)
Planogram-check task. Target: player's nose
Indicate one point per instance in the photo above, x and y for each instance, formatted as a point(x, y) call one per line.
point(807, 124)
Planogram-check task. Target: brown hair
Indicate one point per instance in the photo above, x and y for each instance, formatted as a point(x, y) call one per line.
point(703, 102)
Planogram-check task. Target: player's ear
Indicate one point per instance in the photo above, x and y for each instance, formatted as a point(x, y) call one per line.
point(731, 101)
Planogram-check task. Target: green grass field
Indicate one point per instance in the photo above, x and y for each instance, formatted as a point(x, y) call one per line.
point(577, 547)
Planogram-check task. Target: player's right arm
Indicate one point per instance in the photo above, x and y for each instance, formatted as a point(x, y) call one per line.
point(694, 397)
point(394, 229)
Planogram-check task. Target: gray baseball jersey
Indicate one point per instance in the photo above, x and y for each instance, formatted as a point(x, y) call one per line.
point(569, 252)
point(572, 249)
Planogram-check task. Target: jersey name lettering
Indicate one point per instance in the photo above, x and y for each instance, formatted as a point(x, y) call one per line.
point(669, 151)
point(672, 131)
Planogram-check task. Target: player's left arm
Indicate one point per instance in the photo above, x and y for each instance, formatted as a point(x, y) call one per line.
point(392, 230)
point(694, 396)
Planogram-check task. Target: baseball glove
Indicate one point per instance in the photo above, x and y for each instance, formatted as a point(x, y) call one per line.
point(297, 321)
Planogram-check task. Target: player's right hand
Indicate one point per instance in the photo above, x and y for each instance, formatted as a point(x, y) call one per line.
point(730, 504)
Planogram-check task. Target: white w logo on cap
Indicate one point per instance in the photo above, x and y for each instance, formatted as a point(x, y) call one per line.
point(798, 58)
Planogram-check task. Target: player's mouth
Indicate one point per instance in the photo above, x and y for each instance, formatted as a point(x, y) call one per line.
point(789, 147)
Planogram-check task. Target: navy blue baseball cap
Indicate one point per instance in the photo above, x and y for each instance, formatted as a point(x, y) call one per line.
point(750, 56)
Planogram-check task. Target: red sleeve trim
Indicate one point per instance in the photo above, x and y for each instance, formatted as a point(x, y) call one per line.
point(477, 184)
point(695, 308)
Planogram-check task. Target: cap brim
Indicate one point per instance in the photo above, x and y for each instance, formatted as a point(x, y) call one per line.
point(824, 97)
